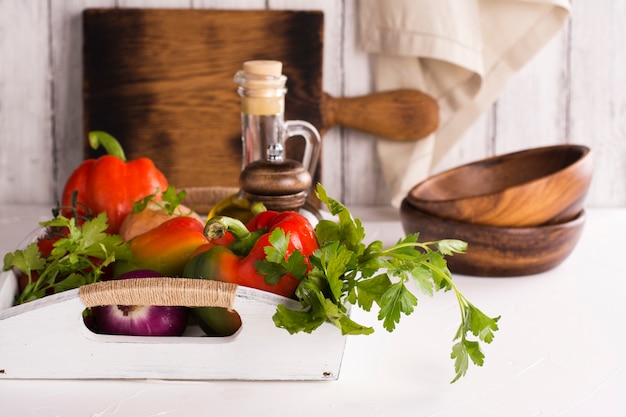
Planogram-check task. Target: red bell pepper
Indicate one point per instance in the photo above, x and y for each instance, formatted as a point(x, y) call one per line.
point(239, 264)
point(111, 184)
point(166, 249)
point(235, 253)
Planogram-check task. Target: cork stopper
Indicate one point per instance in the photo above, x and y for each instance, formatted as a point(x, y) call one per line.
point(262, 67)
point(262, 87)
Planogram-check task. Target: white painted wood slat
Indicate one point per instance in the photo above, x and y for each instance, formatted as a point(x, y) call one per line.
point(597, 105)
point(26, 146)
point(66, 67)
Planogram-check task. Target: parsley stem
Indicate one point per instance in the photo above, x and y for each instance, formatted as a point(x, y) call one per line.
point(422, 245)
point(462, 301)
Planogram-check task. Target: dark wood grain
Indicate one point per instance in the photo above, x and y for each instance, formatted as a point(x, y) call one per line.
point(497, 251)
point(161, 81)
point(525, 188)
point(401, 115)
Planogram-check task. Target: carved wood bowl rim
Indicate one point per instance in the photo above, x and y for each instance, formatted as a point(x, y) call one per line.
point(500, 191)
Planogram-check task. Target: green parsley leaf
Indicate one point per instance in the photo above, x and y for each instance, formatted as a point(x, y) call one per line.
point(296, 321)
point(371, 290)
point(441, 274)
point(76, 259)
point(334, 261)
point(449, 247)
point(296, 265)
point(347, 272)
point(370, 265)
point(172, 199)
point(350, 230)
point(272, 272)
point(274, 266)
point(461, 360)
point(169, 202)
point(482, 325)
point(277, 251)
point(26, 260)
point(73, 280)
point(423, 279)
point(395, 301)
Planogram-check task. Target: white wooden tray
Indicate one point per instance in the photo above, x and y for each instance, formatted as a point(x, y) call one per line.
point(47, 338)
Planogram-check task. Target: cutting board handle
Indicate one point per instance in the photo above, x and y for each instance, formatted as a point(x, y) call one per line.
point(401, 115)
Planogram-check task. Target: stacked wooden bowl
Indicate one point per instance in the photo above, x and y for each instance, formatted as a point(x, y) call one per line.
point(520, 213)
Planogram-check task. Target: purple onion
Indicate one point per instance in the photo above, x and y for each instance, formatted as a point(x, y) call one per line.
point(141, 320)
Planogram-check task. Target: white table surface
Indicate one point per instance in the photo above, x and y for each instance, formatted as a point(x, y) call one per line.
point(560, 351)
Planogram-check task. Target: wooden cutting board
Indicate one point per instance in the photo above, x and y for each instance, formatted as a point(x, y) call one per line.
point(161, 81)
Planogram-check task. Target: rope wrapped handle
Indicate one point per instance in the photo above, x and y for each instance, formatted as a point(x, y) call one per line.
point(160, 291)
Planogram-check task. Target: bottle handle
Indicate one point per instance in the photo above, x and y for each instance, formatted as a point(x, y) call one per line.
point(312, 139)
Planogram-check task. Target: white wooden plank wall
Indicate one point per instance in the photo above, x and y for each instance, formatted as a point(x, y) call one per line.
point(572, 92)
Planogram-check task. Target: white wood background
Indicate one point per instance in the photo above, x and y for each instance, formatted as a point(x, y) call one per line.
point(572, 92)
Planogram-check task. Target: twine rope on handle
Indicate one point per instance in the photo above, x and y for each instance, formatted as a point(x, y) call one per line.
point(160, 291)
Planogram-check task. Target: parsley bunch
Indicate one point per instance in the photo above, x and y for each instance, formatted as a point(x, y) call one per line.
point(77, 258)
point(170, 200)
point(345, 271)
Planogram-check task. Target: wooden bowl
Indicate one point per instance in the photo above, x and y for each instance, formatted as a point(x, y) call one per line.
point(497, 251)
point(526, 188)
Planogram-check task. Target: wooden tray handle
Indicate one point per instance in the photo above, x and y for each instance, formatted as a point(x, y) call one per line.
point(402, 115)
point(160, 291)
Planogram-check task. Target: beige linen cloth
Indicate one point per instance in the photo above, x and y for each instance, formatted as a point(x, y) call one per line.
point(461, 52)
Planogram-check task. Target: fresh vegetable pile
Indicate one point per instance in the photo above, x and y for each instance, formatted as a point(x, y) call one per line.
point(137, 228)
